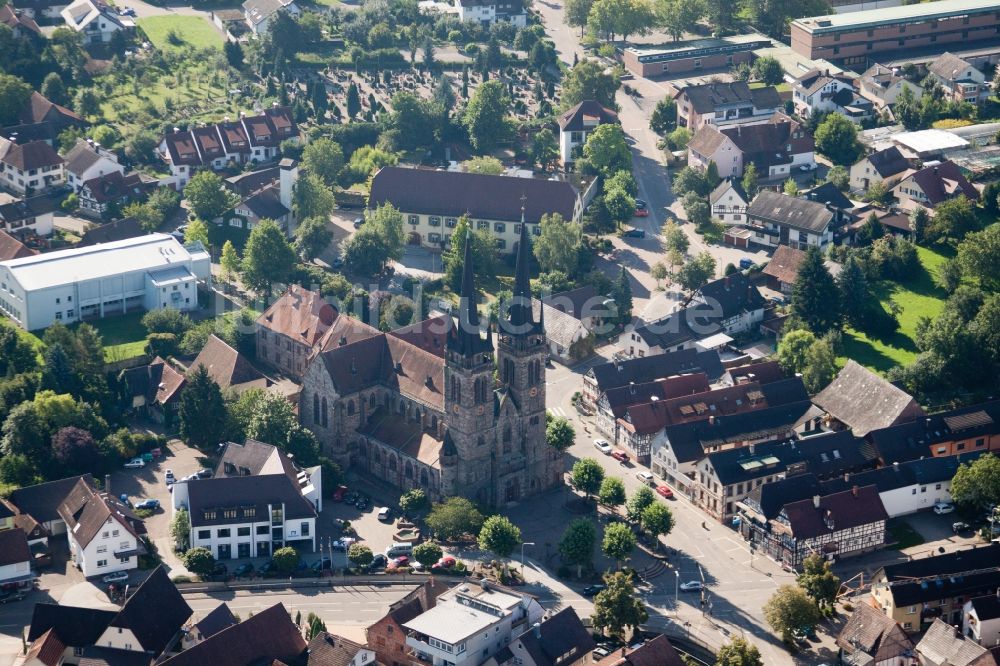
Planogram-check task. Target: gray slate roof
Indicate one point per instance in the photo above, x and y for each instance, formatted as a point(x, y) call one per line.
point(864, 401)
point(942, 645)
point(789, 211)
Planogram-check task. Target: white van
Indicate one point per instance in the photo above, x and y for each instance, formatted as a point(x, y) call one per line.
point(397, 549)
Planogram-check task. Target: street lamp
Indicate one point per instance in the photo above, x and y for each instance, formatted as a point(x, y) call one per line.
point(677, 591)
point(526, 543)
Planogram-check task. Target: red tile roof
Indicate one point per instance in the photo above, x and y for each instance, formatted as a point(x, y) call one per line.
point(11, 248)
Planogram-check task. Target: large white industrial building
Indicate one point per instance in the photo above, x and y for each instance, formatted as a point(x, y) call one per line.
point(145, 273)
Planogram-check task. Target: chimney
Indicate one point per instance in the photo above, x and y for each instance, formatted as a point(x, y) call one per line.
point(854, 492)
point(847, 476)
point(399, 368)
point(895, 466)
point(752, 447)
point(816, 499)
point(343, 340)
point(536, 629)
point(107, 483)
point(711, 420)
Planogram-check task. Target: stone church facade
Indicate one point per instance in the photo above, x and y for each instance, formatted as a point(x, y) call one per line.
point(420, 408)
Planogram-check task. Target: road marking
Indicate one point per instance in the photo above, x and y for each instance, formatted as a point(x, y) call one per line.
point(557, 411)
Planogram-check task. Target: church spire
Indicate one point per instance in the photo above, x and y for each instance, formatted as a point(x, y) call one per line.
point(466, 339)
point(520, 310)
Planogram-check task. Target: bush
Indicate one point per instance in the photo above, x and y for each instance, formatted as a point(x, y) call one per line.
point(143, 513)
point(176, 580)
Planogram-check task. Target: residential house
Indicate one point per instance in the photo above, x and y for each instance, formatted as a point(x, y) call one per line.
point(59, 634)
point(777, 147)
point(29, 168)
point(253, 458)
point(201, 627)
point(761, 370)
point(250, 139)
point(657, 651)
point(640, 370)
point(981, 619)
point(615, 402)
point(729, 202)
point(123, 229)
point(11, 248)
point(149, 623)
point(883, 85)
point(431, 202)
point(150, 272)
point(47, 650)
point(488, 12)
point(388, 637)
point(258, 13)
point(676, 59)
point(103, 195)
point(962, 81)
point(778, 219)
point(154, 390)
point(677, 448)
point(18, 21)
point(869, 636)
point(272, 201)
point(28, 217)
point(227, 367)
point(559, 640)
point(104, 535)
point(820, 91)
point(41, 502)
point(568, 339)
point(326, 649)
point(933, 185)
point(582, 303)
point(39, 110)
point(884, 166)
point(953, 432)
point(916, 592)
point(96, 20)
point(729, 305)
point(944, 645)
point(859, 399)
point(264, 638)
point(576, 125)
point(246, 516)
point(723, 104)
point(15, 555)
point(844, 210)
point(87, 160)
point(782, 269)
point(470, 623)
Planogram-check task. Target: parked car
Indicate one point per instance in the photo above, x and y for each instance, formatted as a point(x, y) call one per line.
point(620, 456)
point(244, 570)
point(385, 514)
point(397, 562)
point(592, 590)
point(169, 478)
point(692, 586)
point(446, 562)
point(204, 473)
point(603, 446)
point(11, 595)
point(157, 452)
point(641, 212)
point(378, 562)
point(151, 504)
point(343, 543)
point(267, 568)
point(942, 508)
point(640, 203)
point(635, 233)
point(805, 168)
point(746, 263)
point(116, 577)
point(358, 221)
point(960, 526)
point(324, 563)
point(339, 493)
point(135, 463)
point(220, 570)
point(665, 491)
point(645, 477)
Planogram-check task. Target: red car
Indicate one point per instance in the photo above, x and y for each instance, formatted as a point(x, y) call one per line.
point(620, 456)
point(642, 212)
point(446, 562)
point(664, 491)
point(338, 494)
point(400, 561)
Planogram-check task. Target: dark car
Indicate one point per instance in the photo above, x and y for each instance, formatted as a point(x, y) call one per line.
point(244, 570)
point(267, 568)
point(220, 570)
point(11, 595)
point(592, 590)
point(320, 565)
point(378, 562)
point(358, 221)
point(635, 233)
point(204, 473)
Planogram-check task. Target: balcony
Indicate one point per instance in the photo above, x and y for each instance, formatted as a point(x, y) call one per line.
point(417, 658)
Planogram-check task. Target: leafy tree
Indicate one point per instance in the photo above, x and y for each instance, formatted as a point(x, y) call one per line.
point(486, 117)
point(365, 253)
point(577, 13)
point(750, 180)
point(286, 559)
point(588, 79)
point(619, 204)
point(234, 54)
point(197, 231)
point(443, 95)
point(557, 247)
point(166, 320)
point(414, 499)
point(792, 350)
point(180, 528)
point(790, 609)
point(768, 70)
point(612, 492)
point(791, 188)
point(499, 536)
point(773, 16)
point(679, 138)
point(674, 237)
point(454, 517)
point(199, 561)
point(312, 237)
point(53, 89)
point(229, 261)
point(878, 193)
point(75, 450)
point(837, 138)
point(679, 16)
point(361, 555)
point(621, 293)
point(855, 295)
point(14, 95)
point(919, 220)
point(664, 117)
point(739, 652)
point(577, 544)
point(689, 179)
point(658, 272)
point(870, 232)
point(815, 299)
point(268, 256)
point(979, 256)
point(953, 218)
point(839, 177)
point(200, 408)
point(977, 484)
point(163, 345)
point(697, 209)
point(16, 354)
point(428, 553)
point(544, 148)
point(353, 101)
point(483, 252)
point(657, 519)
point(559, 433)
point(313, 198)
point(269, 418)
point(617, 607)
point(206, 195)
point(712, 178)
point(642, 498)
point(818, 580)
point(619, 542)
point(324, 158)
point(606, 150)
point(483, 164)
point(697, 272)
point(587, 476)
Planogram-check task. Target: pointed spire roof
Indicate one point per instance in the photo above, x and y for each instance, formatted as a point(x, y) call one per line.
point(466, 338)
point(521, 311)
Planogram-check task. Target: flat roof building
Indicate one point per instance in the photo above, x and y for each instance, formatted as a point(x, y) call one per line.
point(145, 273)
point(692, 56)
point(855, 37)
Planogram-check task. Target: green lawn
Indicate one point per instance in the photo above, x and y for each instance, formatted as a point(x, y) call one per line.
point(31, 339)
point(904, 535)
point(193, 31)
point(918, 297)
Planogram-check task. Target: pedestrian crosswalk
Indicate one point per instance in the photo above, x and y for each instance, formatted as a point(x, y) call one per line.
point(557, 411)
